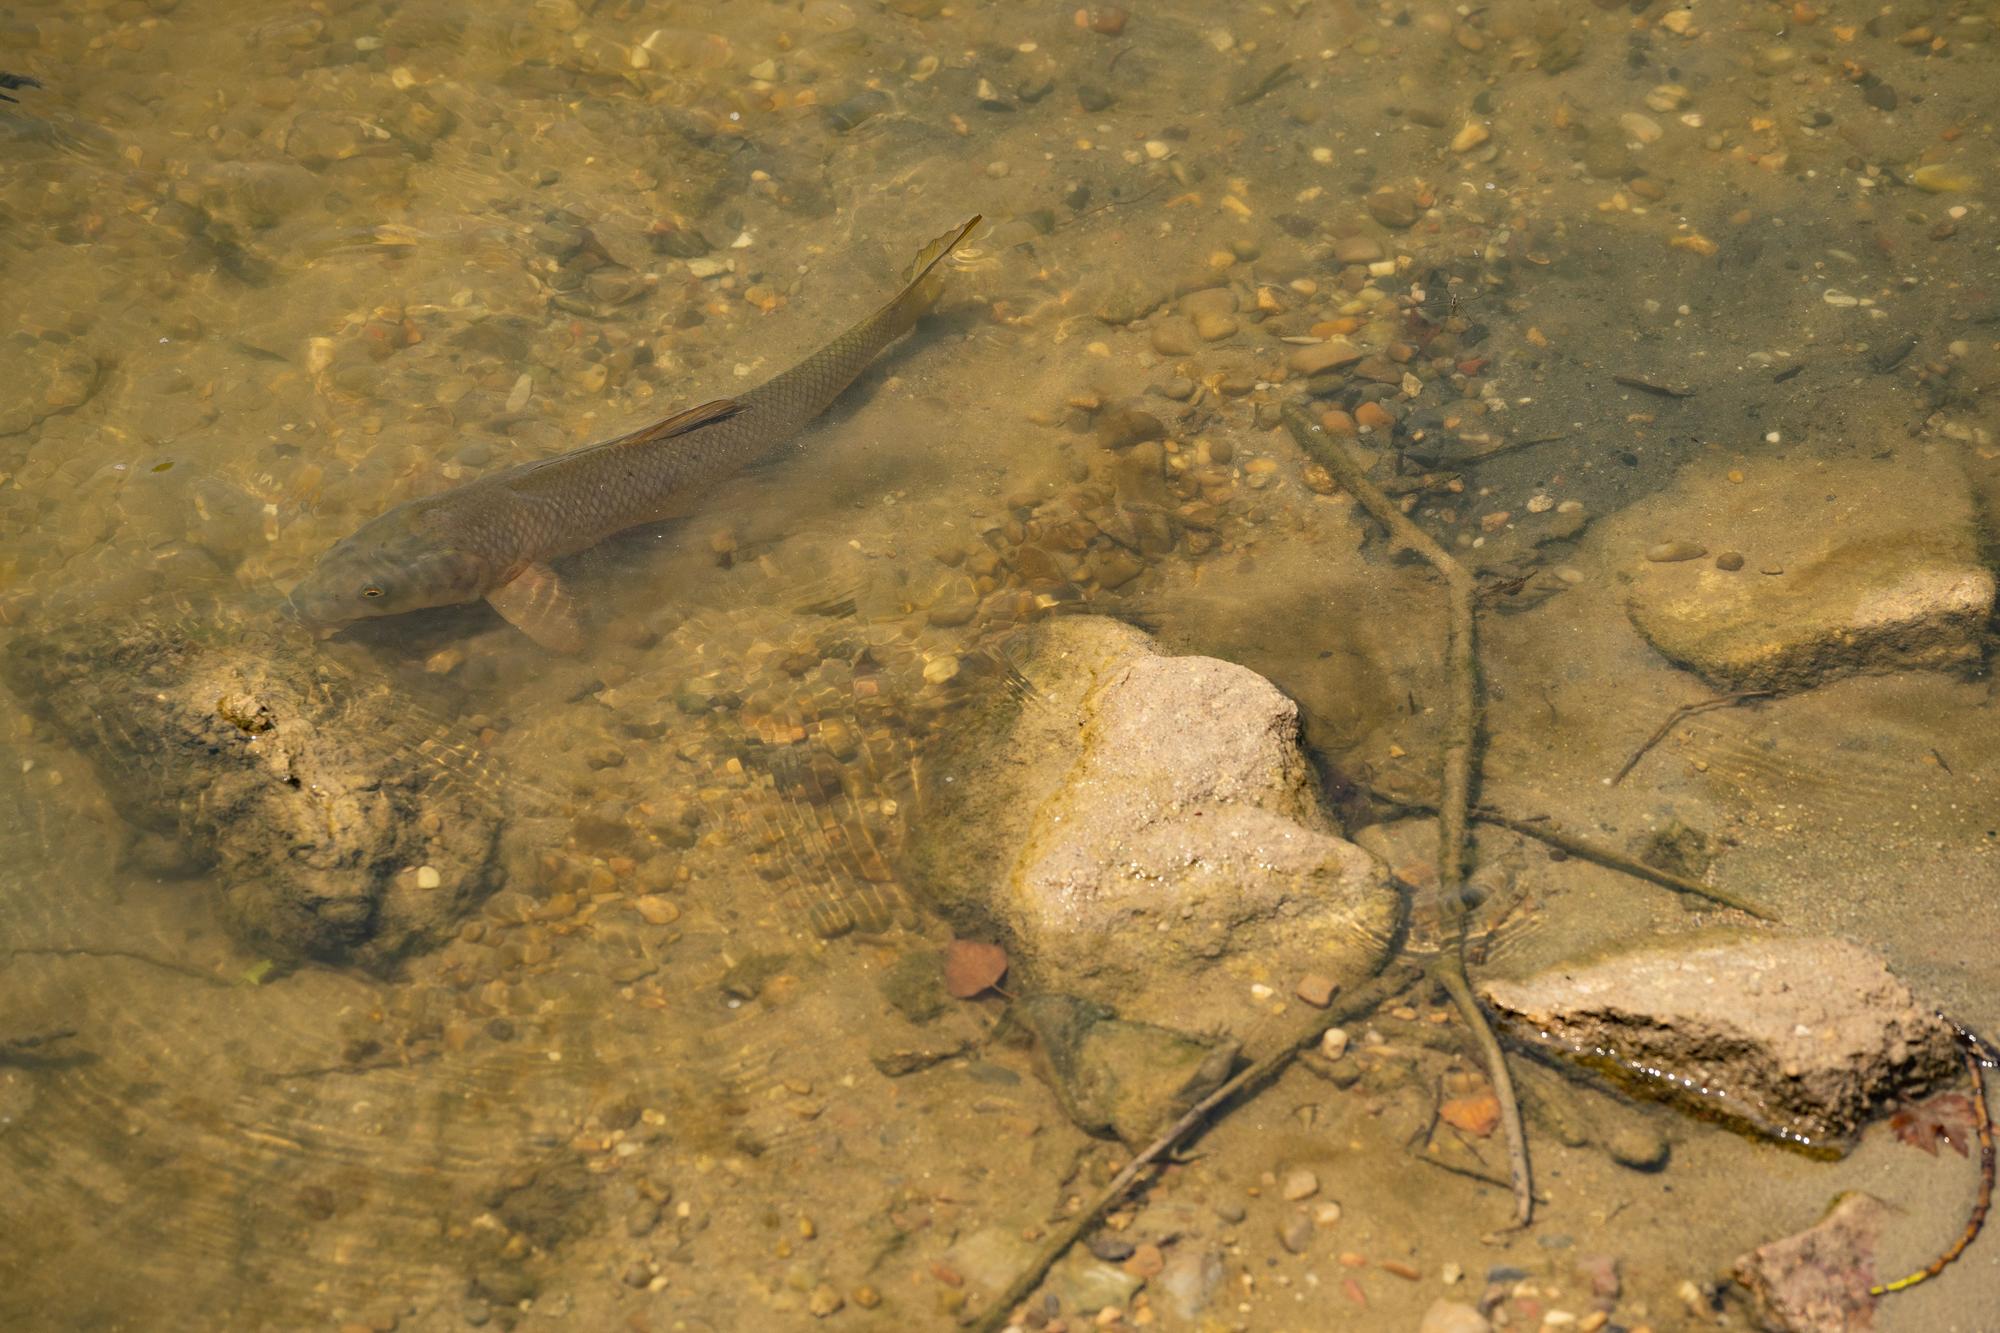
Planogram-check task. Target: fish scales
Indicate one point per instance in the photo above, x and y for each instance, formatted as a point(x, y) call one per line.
point(493, 537)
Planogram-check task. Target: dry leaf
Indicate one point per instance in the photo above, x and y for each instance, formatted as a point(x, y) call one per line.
point(1477, 1115)
point(1950, 1117)
point(972, 967)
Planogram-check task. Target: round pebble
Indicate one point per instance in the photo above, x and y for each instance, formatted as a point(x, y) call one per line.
point(1300, 1185)
point(1730, 561)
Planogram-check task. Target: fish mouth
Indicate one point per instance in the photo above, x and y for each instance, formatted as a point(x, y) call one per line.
point(320, 629)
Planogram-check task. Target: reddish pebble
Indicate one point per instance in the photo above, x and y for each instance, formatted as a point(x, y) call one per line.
point(1336, 422)
point(1373, 415)
point(1400, 1269)
point(948, 1275)
point(1353, 1291)
point(1472, 366)
point(1146, 1261)
point(1110, 21)
point(1316, 990)
point(1349, 1259)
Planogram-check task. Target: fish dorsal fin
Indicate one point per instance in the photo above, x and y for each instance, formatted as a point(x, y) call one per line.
point(704, 414)
point(536, 603)
point(681, 423)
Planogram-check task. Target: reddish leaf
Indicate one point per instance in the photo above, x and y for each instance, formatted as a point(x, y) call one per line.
point(1950, 1117)
point(972, 967)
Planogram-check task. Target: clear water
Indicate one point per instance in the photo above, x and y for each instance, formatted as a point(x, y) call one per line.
point(270, 269)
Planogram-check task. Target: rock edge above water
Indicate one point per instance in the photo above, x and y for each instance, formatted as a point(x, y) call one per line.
point(1798, 1038)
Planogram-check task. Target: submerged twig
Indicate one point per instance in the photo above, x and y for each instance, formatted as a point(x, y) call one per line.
point(1653, 387)
point(1455, 789)
point(1679, 714)
point(1975, 1060)
point(1363, 1000)
point(1543, 831)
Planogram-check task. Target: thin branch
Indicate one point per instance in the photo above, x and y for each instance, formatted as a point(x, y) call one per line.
point(1543, 831)
point(1364, 1000)
point(1679, 714)
point(1455, 790)
point(1974, 1060)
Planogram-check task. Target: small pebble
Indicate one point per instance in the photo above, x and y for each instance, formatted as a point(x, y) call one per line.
point(825, 1300)
point(1295, 1233)
point(1670, 552)
point(1316, 990)
point(1729, 560)
point(1327, 1215)
point(1300, 1185)
point(1333, 1043)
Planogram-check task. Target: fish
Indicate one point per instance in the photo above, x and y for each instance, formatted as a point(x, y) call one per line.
point(494, 537)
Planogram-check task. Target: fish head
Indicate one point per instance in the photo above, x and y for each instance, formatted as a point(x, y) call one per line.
point(393, 564)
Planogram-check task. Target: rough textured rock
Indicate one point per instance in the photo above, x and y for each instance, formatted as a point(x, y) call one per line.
point(1147, 830)
point(1796, 1038)
point(1120, 1078)
point(308, 798)
point(1876, 570)
point(1819, 1279)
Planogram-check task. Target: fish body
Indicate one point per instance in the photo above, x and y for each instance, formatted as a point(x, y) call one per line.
point(493, 537)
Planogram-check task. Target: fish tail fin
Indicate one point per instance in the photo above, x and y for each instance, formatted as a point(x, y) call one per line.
point(925, 277)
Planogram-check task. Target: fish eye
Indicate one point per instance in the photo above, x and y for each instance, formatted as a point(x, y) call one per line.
point(371, 591)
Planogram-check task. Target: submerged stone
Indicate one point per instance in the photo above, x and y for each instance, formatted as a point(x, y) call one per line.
point(1819, 1279)
point(1119, 1078)
point(310, 797)
point(1869, 567)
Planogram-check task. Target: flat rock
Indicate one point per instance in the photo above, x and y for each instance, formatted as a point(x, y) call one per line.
point(1795, 1038)
point(1819, 1279)
point(1150, 836)
point(1445, 1316)
point(1850, 567)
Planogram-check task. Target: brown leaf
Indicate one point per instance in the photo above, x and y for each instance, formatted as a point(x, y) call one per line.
point(972, 967)
point(1949, 1116)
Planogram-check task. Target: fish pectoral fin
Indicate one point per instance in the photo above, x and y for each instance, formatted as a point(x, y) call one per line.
point(536, 603)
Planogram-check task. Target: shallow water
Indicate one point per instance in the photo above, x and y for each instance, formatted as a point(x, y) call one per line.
point(271, 269)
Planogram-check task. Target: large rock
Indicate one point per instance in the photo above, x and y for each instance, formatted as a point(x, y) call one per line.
point(1847, 567)
point(1147, 830)
point(336, 825)
point(1819, 1279)
point(1114, 1077)
point(1795, 1038)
